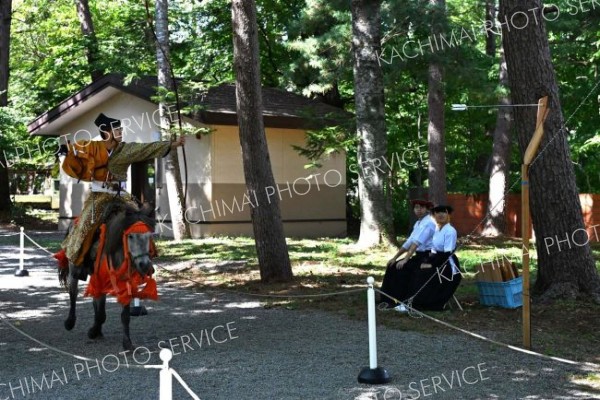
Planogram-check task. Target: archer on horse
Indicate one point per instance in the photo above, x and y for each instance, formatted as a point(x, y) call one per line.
point(105, 164)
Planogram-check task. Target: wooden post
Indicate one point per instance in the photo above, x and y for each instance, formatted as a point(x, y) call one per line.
point(525, 255)
point(532, 149)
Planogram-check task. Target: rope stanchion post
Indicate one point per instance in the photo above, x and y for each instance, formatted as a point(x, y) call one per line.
point(372, 374)
point(530, 152)
point(21, 271)
point(166, 379)
point(137, 310)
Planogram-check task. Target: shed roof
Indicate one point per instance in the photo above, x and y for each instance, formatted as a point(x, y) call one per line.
point(217, 106)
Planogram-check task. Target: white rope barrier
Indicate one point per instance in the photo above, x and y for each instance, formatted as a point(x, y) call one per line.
point(372, 347)
point(166, 373)
point(485, 339)
point(372, 374)
point(21, 271)
point(38, 245)
point(5, 235)
point(182, 383)
point(166, 378)
point(5, 320)
point(280, 296)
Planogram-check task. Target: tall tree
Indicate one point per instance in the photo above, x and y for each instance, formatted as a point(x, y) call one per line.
point(565, 270)
point(166, 86)
point(375, 224)
point(5, 21)
point(500, 163)
point(271, 247)
point(435, 101)
point(490, 19)
point(500, 160)
point(89, 35)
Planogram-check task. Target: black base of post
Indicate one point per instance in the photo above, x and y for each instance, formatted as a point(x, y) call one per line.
point(138, 311)
point(21, 272)
point(374, 376)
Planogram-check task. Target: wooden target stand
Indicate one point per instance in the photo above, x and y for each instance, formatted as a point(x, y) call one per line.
point(532, 149)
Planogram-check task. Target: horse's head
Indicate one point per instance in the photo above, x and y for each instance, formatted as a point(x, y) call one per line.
point(139, 252)
point(135, 226)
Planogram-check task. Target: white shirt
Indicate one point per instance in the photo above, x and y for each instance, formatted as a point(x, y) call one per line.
point(422, 234)
point(444, 240)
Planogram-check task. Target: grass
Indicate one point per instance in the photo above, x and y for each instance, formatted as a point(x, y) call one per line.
point(332, 265)
point(30, 217)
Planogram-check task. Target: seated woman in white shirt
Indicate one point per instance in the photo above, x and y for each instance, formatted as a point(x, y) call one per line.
point(398, 274)
point(442, 264)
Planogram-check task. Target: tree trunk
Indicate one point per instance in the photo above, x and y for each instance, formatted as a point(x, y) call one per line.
point(91, 43)
point(490, 18)
point(271, 246)
point(435, 101)
point(495, 223)
point(565, 269)
point(375, 225)
point(174, 184)
point(5, 20)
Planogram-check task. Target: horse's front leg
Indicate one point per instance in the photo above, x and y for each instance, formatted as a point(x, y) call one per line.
point(125, 317)
point(73, 285)
point(95, 331)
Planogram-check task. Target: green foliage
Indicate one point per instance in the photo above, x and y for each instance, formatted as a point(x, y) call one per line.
point(47, 54)
point(19, 150)
point(306, 47)
point(575, 44)
point(324, 142)
point(321, 40)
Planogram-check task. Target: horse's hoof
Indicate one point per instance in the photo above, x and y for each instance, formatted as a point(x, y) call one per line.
point(69, 323)
point(127, 345)
point(95, 333)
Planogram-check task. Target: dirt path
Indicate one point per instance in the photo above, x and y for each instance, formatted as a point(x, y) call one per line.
point(262, 354)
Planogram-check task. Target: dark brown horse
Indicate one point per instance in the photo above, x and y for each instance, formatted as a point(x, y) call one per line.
point(120, 250)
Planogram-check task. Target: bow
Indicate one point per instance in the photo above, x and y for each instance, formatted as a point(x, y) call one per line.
point(178, 104)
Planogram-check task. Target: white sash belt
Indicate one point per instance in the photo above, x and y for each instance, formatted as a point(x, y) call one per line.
point(108, 187)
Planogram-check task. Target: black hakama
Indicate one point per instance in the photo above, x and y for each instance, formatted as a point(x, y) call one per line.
point(398, 282)
point(442, 285)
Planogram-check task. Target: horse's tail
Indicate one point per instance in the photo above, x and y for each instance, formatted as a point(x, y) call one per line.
point(63, 276)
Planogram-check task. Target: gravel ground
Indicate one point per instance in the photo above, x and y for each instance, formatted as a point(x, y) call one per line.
point(263, 353)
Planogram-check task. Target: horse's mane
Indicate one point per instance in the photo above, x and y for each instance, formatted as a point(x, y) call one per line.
point(119, 216)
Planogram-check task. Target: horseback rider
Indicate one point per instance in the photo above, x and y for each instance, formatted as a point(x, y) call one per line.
point(108, 161)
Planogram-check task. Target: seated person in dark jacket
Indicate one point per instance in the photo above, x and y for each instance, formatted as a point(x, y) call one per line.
point(442, 264)
point(396, 281)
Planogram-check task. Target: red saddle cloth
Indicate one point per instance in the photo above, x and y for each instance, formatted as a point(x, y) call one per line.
point(124, 281)
point(61, 255)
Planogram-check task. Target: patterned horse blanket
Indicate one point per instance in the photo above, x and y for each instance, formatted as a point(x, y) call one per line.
point(122, 281)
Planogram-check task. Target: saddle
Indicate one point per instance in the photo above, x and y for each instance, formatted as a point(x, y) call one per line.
point(86, 260)
point(85, 267)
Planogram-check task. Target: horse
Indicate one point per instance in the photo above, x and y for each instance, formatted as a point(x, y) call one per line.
point(119, 262)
